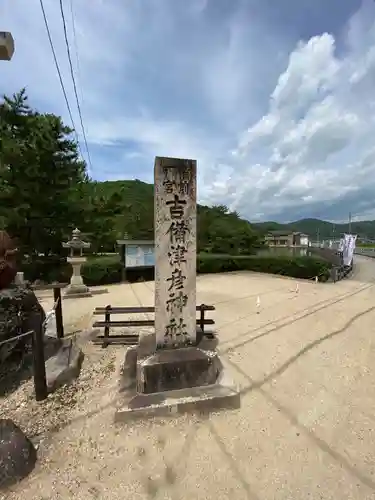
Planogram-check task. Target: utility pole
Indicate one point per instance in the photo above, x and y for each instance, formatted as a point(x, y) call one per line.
point(6, 46)
point(350, 223)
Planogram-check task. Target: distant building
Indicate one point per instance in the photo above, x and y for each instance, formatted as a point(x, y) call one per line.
point(286, 239)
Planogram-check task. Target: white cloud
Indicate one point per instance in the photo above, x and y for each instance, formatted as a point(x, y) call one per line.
point(183, 79)
point(316, 139)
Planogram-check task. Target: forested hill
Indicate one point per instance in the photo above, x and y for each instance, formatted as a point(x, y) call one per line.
point(45, 193)
point(321, 229)
point(128, 207)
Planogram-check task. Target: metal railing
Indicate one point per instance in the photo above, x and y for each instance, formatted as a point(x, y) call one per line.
point(37, 336)
point(39, 365)
point(366, 252)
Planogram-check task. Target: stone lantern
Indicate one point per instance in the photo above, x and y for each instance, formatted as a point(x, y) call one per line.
point(76, 287)
point(6, 46)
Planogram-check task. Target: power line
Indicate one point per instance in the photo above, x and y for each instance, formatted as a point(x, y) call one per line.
point(74, 82)
point(58, 70)
point(76, 49)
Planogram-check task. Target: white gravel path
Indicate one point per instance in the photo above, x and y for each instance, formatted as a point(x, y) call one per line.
point(304, 430)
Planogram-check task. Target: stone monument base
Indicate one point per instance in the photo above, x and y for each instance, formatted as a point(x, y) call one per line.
point(172, 382)
point(77, 291)
point(173, 369)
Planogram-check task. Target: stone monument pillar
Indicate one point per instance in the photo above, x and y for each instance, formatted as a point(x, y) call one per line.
point(175, 252)
point(172, 373)
point(76, 287)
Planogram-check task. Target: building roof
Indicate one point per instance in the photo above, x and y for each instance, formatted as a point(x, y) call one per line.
point(285, 233)
point(280, 233)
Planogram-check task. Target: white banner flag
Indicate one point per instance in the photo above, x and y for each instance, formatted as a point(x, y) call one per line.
point(349, 247)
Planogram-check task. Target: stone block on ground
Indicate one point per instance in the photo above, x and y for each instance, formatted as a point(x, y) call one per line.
point(144, 349)
point(222, 395)
point(172, 369)
point(76, 292)
point(128, 369)
point(146, 343)
point(17, 454)
point(171, 382)
point(64, 366)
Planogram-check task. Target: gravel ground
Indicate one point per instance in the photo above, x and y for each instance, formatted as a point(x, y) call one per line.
point(39, 419)
point(305, 429)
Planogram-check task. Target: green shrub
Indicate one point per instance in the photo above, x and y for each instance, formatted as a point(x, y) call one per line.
point(102, 271)
point(366, 245)
point(47, 269)
point(297, 267)
point(108, 269)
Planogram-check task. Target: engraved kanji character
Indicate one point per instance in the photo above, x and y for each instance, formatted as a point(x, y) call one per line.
point(176, 207)
point(168, 184)
point(178, 302)
point(185, 175)
point(177, 255)
point(177, 280)
point(184, 188)
point(178, 231)
point(175, 328)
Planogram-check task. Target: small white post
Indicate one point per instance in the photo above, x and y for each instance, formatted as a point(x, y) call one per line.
point(258, 304)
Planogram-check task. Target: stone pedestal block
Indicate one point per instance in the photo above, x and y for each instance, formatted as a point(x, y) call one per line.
point(65, 366)
point(77, 288)
point(75, 291)
point(173, 369)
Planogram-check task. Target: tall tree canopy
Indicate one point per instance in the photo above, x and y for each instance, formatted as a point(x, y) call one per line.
point(45, 192)
point(41, 176)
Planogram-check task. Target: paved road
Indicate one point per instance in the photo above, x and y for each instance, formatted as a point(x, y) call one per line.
point(304, 362)
point(364, 269)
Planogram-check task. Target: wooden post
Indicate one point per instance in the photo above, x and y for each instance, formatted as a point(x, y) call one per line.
point(58, 313)
point(124, 273)
point(123, 262)
point(39, 367)
point(202, 309)
point(200, 332)
point(107, 318)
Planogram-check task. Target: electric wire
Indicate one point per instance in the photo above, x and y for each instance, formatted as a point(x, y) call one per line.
point(58, 70)
point(76, 49)
point(74, 83)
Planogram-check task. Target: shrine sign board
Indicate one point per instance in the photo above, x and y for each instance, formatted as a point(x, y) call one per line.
point(175, 252)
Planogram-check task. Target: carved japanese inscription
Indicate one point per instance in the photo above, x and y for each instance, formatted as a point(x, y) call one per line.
point(175, 252)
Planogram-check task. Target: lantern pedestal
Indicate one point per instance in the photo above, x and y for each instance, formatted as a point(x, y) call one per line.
point(76, 288)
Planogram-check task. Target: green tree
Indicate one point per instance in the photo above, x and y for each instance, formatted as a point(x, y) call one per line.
point(222, 231)
point(41, 177)
point(45, 192)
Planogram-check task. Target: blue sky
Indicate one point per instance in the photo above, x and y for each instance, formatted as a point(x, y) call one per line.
point(275, 99)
